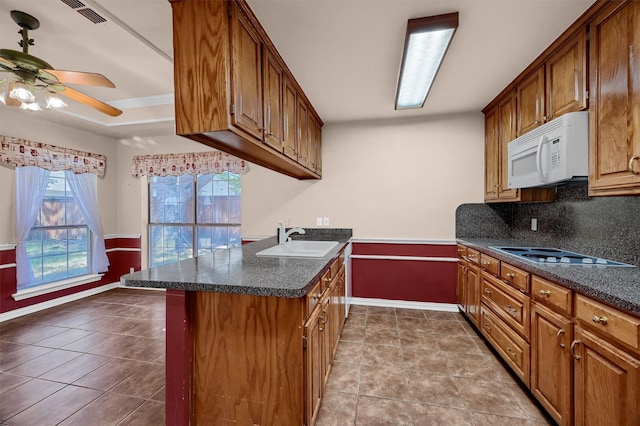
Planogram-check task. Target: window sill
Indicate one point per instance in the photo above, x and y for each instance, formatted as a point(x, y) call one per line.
point(56, 286)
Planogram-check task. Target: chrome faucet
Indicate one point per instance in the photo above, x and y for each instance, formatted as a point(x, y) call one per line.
point(283, 234)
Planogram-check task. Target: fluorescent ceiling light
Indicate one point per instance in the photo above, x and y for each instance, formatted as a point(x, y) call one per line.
point(425, 45)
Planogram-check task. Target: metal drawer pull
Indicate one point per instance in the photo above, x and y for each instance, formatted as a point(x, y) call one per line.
point(327, 280)
point(486, 291)
point(599, 320)
point(573, 352)
point(561, 331)
point(511, 311)
point(545, 293)
point(510, 275)
point(511, 353)
point(631, 160)
point(316, 295)
point(486, 262)
point(486, 327)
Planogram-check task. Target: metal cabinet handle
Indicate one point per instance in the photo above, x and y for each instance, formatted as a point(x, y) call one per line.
point(545, 293)
point(316, 295)
point(486, 262)
point(486, 291)
point(327, 280)
point(631, 160)
point(572, 348)
point(599, 320)
point(511, 352)
point(510, 275)
point(561, 331)
point(510, 310)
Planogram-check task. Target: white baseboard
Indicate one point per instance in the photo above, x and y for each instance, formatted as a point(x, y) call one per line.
point(56, 302)
point(406, 304)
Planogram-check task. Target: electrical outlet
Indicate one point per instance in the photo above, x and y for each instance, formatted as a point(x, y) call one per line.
point(534, 224)
point(131, 270)
point(325, 221)
point(318, 221)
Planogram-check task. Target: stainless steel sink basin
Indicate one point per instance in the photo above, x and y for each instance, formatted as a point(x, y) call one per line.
point(299, 248)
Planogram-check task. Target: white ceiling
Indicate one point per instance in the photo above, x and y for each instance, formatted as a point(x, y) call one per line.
point(344, 53)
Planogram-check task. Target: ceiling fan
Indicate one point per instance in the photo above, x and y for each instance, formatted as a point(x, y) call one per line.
point(31, 73)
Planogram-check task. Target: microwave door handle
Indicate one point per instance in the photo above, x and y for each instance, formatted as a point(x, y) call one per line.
point(541, 176)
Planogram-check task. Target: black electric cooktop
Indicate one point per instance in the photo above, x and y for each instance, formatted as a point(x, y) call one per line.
point(553, 256)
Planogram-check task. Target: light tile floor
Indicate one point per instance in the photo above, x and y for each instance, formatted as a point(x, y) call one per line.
point(409, 367)
point(101, 360)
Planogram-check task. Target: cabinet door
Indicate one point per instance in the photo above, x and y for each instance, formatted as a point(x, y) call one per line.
point(290, 136)
point(614, 117)
point(461, 284)
point(246, 75)
point(472, 307)
point(313, 365)
point(302, 131)
point(531, 102)
point(551, 362)
point(566, 77)
point(273, 84)
point(507, 126)
point(491, 155)
point(607, 382)
point(311, 142)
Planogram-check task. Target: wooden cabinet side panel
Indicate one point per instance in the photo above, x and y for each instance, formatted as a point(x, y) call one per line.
point(566, 77)
point(551, 363)
point(607, 383)
point(201, 66)
point(612, 143)
point(313, 366)
point(247, 359)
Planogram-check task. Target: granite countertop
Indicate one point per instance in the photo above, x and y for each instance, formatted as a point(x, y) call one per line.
point(616, 286)
point(238, 270)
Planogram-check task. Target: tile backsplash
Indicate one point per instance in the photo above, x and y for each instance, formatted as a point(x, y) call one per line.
point(606, 227)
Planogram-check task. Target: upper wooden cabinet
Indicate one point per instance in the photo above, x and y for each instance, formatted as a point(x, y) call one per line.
point(614, 117)
point(234, 92)
point(500, 129)
point(556, 87)
point(530, 105)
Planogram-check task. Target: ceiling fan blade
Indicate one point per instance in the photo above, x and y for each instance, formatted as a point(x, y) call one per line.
point(92, 102)
point(79, 77)
point(7, 64)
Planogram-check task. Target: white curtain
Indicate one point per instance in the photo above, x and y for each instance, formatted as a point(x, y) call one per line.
point(84, 188)
point(31, 185)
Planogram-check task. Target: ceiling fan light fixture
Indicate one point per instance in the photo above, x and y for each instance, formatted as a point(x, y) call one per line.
point(54, 102)
point(4, 90)
point(22, 93)
point(30, 106)
point(426, 43)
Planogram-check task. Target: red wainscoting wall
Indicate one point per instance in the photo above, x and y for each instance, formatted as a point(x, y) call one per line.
point(418, 272)
point(123, 253)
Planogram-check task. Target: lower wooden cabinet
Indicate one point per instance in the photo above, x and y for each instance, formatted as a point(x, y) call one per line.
point(551, 362)
point(607, 382)
point(472, 296)
point(313, 365)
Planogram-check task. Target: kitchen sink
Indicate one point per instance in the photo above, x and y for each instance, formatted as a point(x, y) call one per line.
point(299, 248)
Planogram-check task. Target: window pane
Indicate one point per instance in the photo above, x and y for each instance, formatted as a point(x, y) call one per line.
point(235, 239)
point(53, 212)
point(73, 215)
point(33, 244)
point(54, 242)
point(54, 267)
point(170, 244)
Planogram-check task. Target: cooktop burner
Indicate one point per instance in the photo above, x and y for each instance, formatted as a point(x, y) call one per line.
point(553, 256)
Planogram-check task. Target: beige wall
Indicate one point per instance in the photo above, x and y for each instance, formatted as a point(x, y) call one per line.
point(384, 179)
point(26, 125)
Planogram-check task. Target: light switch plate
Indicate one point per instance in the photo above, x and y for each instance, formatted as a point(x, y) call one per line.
point(534, 224)
point(325, 221)
point(318, 221)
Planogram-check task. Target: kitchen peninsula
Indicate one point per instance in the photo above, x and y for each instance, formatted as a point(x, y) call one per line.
point(250, 339)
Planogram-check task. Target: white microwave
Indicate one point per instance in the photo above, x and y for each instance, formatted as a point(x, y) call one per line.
point(554, 152)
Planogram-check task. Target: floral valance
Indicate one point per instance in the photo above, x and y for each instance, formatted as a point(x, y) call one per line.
point(193, 163)
point(17, 152)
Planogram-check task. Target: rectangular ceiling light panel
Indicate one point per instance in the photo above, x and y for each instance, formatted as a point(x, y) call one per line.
point(426, 44)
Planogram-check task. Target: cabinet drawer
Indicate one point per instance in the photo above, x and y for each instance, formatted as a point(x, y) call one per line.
point(515, 276)
point(462, 251)
point(325, 281)
point(313, 297)
point(473, 256)
point(508, 303)
point(490, 264)
point(609, 321)
point(513, 348)
point(336, 265)
point(551, 294)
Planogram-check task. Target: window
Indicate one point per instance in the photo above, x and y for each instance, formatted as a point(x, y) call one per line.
point(58, 242)
point(191, 216)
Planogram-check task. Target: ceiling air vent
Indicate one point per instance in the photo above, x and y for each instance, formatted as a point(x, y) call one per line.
point(73, 3)
point(91, 15)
